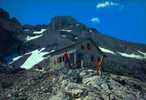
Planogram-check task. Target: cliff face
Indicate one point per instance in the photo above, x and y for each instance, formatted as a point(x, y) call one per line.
point(8, 43)
point(10, 29)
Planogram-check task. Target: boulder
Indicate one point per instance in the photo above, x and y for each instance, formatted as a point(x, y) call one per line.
point(73, 89)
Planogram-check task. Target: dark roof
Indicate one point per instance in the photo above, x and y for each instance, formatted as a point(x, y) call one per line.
point(78, 42)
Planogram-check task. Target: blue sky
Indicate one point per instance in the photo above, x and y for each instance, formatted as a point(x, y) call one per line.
point(123, 19)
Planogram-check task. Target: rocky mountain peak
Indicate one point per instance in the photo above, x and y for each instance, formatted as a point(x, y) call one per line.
point(9, 23)
point(4, 14)
point(59, 22)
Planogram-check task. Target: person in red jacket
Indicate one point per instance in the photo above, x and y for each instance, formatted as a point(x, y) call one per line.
point(98, 64)
point(67, 60)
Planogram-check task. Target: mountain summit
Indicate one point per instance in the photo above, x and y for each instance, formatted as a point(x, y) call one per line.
point(60, 22)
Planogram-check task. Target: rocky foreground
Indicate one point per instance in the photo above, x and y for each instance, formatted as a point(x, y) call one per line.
point(70, 84)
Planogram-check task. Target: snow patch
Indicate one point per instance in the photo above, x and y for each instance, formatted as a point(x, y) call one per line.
point(107, 50)
point(36, 57)
point(39, 32)
point(15, 59)
point(42, 49)
point(76, 38)
point(51, 51)
point(142, 53)
point(26, 30)
point(29, 38)
point(65, 30)
point(64, 36)
point(132, 55)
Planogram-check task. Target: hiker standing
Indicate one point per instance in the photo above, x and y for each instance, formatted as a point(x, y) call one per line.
point(98, 64)
point(67, 60)
point(82, 63)
point(80, 60)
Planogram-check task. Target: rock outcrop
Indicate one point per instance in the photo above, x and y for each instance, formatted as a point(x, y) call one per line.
point(71, 84)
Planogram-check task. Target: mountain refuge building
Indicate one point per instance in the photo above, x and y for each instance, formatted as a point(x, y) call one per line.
point(83, 53)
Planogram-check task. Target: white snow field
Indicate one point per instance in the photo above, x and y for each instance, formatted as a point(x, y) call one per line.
point(136, 56)
point(29, 38)
point(39, 32)
point(36, 57)
point(107, 50)
point(65, 30)
point(132, 55)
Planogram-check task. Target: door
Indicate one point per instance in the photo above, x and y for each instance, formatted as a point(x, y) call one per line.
point(80, 58)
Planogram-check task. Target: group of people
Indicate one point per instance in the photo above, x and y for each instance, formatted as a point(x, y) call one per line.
point(98, 62)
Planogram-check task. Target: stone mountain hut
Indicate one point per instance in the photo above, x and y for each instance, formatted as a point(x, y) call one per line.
point(81, 54)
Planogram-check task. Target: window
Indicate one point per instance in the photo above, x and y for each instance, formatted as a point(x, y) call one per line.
point(59, 59)
point(54, 62)
point(82, 47)
point(88, 46)
point(92, 58)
